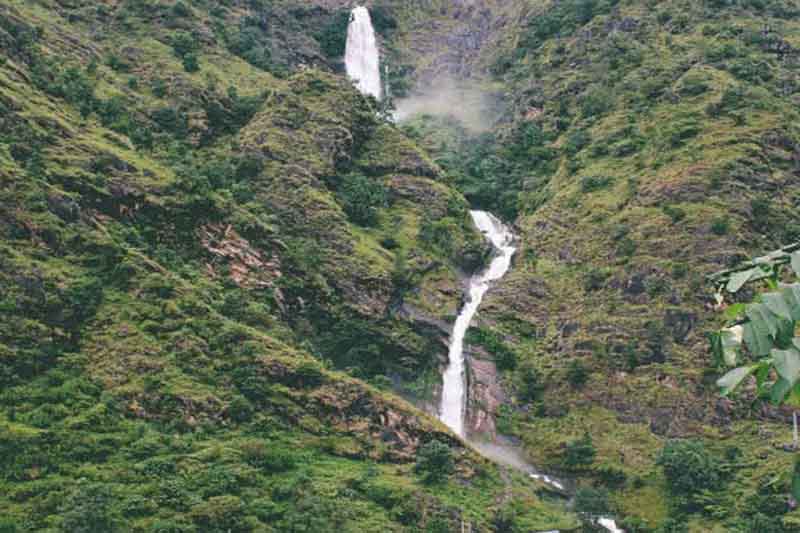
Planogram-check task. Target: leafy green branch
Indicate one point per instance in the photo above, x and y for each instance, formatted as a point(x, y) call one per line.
point(759, 338)
point(761, 334)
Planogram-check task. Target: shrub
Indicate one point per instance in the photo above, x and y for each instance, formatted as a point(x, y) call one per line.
point(592, 503)
point(159, 88)
point(720, 225)
point(595, 183)
point(689, 467)
point(530, 383)
point(117, 64)
point(180, 10)
point(183, 44)
point(434, 461)
point(676, 214)
point(580, 453)
point(596, 103)
point(626, 247)
point(634, 524)
point(361, 198)
point(224, 514)
point(219, 480)
point(594, 279)
point(577, 374)
point(333, 37)
point(191, 63)
point(577, 141)
point(505, 358)
point(88, 510)
point(612, 477)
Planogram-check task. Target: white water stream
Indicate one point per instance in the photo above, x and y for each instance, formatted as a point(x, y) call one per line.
point(453, 407)
point(361, 58)
point(362, 62)
point(454, 389)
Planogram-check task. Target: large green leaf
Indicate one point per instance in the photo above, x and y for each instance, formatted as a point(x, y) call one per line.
point(762, 374)
point(758, 342)
point(734, 378)
point(734, 311)
point(791, 294)
point(739, 279)
point(796, 263)
point(777, 304)
point(787, 364)
point(780, 390)
point(763, 319)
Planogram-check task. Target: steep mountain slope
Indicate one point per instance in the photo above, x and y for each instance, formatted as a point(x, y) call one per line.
point(200, 231)
point(645, 144)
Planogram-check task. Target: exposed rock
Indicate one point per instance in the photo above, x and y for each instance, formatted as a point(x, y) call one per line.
point(485, 396)
point(248, 267)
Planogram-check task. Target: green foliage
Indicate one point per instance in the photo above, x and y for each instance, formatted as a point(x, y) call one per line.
point(251, 41)
point(190, 62)
point(720, 225)
point(592, 503)
point(580, 453)
point(505, 358)
point(88, 510)
point(690, 468)
point(184, 44)
point(361, 198)
point(333, 37)
point(531, 384)
point(563, 19)
point(434, 461)
point(764, 329)
point(591, 184)
point(577, 374)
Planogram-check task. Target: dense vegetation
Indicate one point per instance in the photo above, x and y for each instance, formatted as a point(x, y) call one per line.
point(218, 261)
point(639, 146)
point(205, 235)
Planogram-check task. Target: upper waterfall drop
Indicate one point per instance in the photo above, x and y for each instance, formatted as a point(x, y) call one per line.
point(361, 58)
point(454, 386)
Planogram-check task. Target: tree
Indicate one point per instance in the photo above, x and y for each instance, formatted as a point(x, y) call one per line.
point(361, 198)
point(434, 461)
point(689, 467)
point(592, 503)
point(580, 453)
point(88, 510)
point(577, 374)
point(758, 338)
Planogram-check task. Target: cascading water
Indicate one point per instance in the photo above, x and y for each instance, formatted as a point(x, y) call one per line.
point(454, 389)
point(361, 58)
point(453, 392)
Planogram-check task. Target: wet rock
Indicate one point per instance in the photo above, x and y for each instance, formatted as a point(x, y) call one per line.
point(485, 396)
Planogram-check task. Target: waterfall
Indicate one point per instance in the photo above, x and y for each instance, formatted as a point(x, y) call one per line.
point(454, 389)
point(361, 57)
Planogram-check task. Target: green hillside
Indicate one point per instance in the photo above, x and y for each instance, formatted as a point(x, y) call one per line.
point(644, 145)
point(202, 227)
point(226, 277)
